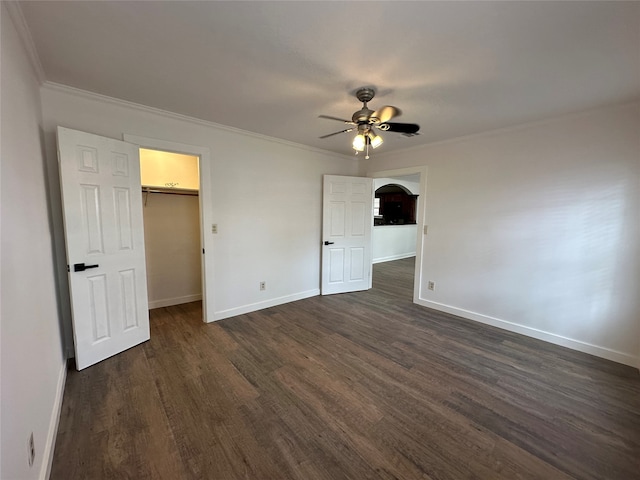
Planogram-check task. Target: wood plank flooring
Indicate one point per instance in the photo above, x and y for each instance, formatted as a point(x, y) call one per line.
point(354, 386)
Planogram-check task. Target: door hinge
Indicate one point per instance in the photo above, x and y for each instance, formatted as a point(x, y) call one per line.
point(203, 251)
point(68, 270)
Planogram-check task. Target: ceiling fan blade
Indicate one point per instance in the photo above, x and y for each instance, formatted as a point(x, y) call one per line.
point(385, 114)
point(399, 127)
point(328, 117)
point(336, 133)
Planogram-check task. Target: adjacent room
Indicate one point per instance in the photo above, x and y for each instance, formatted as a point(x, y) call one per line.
point(320, 240)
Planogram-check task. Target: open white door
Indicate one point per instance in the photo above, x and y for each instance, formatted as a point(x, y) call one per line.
point(347, 211)
point(102, 206)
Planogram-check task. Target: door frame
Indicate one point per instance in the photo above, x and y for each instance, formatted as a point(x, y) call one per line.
point(420, 218)
point(206, 214)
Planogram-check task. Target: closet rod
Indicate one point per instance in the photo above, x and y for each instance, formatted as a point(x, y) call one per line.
point(171, 191)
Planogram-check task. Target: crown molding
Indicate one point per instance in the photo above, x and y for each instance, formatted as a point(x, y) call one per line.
point(97, 97)
point(17, 17)
point(515, 128)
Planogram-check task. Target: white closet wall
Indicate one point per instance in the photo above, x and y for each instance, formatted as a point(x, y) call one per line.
point(172, 248)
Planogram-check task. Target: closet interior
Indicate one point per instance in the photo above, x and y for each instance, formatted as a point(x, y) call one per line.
point(171, 210)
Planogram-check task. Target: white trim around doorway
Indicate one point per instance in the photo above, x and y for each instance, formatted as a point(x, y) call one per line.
point(206, 214)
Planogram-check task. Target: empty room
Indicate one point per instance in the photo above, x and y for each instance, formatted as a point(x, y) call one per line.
point(320, 240)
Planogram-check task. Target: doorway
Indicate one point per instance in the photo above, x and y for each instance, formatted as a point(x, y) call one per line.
point(203, 155)
point(401, 242)
point(171, 212)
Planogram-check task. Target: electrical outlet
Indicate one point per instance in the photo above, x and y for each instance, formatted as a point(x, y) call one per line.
point(214, 228)
point(31, 450)
point(431, 285)
point(263, 285)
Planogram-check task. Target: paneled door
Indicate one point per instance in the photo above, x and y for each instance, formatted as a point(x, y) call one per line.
point(102, 205)
point(347, 211)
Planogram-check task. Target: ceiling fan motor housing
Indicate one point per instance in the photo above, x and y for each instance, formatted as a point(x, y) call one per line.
point(365, 95)
point(362, 116)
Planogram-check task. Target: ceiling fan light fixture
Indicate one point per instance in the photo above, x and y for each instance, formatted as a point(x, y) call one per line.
point(375, 140)
point(359, 142)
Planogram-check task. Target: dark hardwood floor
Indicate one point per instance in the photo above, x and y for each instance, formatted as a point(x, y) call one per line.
point(354, 386)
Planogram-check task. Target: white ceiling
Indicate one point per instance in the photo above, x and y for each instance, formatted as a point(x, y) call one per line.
point(455, 68)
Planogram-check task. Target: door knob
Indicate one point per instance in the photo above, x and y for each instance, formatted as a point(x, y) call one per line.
point(328, 243)
point(81, 267)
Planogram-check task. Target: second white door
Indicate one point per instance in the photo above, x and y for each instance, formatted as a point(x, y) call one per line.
point(346, 229)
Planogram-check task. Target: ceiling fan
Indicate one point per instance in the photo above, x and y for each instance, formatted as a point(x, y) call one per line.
point(365, 120)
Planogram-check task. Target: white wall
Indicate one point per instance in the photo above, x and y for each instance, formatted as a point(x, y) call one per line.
point(266, 199)
point(172, 248)
point(32, 364)
point(535, 229)
point(393, 242)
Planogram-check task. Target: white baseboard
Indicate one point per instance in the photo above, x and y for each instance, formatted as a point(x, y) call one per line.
point(47, 459)
point(394, 257)
point(252, 307)
point(167, 302)
point(578, 345)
